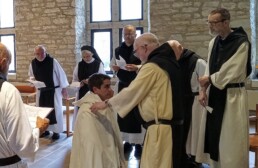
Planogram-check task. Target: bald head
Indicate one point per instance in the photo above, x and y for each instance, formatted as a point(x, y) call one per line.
point(144, 45)
point(177, 48)
point(5, 59)
point(40, 52)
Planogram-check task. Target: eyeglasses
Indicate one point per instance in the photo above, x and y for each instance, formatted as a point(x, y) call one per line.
point(134, 51)
point(214, 22)
point(129, 35)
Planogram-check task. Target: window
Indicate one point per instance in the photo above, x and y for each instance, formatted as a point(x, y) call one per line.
point(102, 43)
point(131, 10)
point(104, 29)
point(7, 31)
point(100, 10)
point(6, 14)
point(9, 41)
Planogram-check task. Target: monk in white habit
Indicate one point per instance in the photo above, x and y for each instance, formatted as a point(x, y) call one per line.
point(96, 142)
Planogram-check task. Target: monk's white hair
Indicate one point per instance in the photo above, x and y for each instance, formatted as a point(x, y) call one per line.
point(149, 39)
point(43, 48)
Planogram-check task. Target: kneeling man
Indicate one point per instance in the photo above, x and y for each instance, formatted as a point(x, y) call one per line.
point(96, 142)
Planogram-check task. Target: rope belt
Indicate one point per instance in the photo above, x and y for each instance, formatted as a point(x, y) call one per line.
point(9, 160)
point(163, 121)
point(235, 85)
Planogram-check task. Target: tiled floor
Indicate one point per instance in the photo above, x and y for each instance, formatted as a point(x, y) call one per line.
point(56, 154)
point(53, 154)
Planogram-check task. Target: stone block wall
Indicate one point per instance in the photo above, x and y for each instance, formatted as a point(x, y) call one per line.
point(48, 22)
point(185, 20)
point(60, 26)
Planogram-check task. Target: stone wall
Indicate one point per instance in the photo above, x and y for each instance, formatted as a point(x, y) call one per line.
point(60, 26)
point(185, 20)
point(48, 22)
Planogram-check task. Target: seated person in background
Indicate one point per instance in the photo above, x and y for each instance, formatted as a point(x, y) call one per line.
point(18, 139)
point(96, 142)
point(90, 64)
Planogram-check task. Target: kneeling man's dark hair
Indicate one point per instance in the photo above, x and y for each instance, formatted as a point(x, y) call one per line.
point(96, 80)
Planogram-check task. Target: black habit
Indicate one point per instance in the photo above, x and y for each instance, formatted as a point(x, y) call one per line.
point(43, 71)
point(85, 70)
point(165, 58)
point(130, 123)
point(221, 52)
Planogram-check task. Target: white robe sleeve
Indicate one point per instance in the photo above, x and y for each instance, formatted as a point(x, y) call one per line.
point(20, 137)
point(129, 97)
point(227, 73)
point(112, 62)
point(75, 74)
point(101, 68)
point(60, 75)
point(30, 73)
point(198, 72)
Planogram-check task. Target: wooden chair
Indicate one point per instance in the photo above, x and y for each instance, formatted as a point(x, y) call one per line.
point(28, 93)
point(68, 108)
point(253, 137)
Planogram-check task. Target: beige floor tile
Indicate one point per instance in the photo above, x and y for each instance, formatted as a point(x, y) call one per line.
point(56, 154)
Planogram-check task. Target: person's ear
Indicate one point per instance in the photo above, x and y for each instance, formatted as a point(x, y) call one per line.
point(227, 22)
point(3, 62)
point(95, 89)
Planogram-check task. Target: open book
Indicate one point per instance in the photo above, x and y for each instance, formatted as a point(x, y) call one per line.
point(37, 84)
point(33, 112)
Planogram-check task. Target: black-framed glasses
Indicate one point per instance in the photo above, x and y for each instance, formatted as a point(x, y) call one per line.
point(214, 22)
point(129, 35)
point(134, 51)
